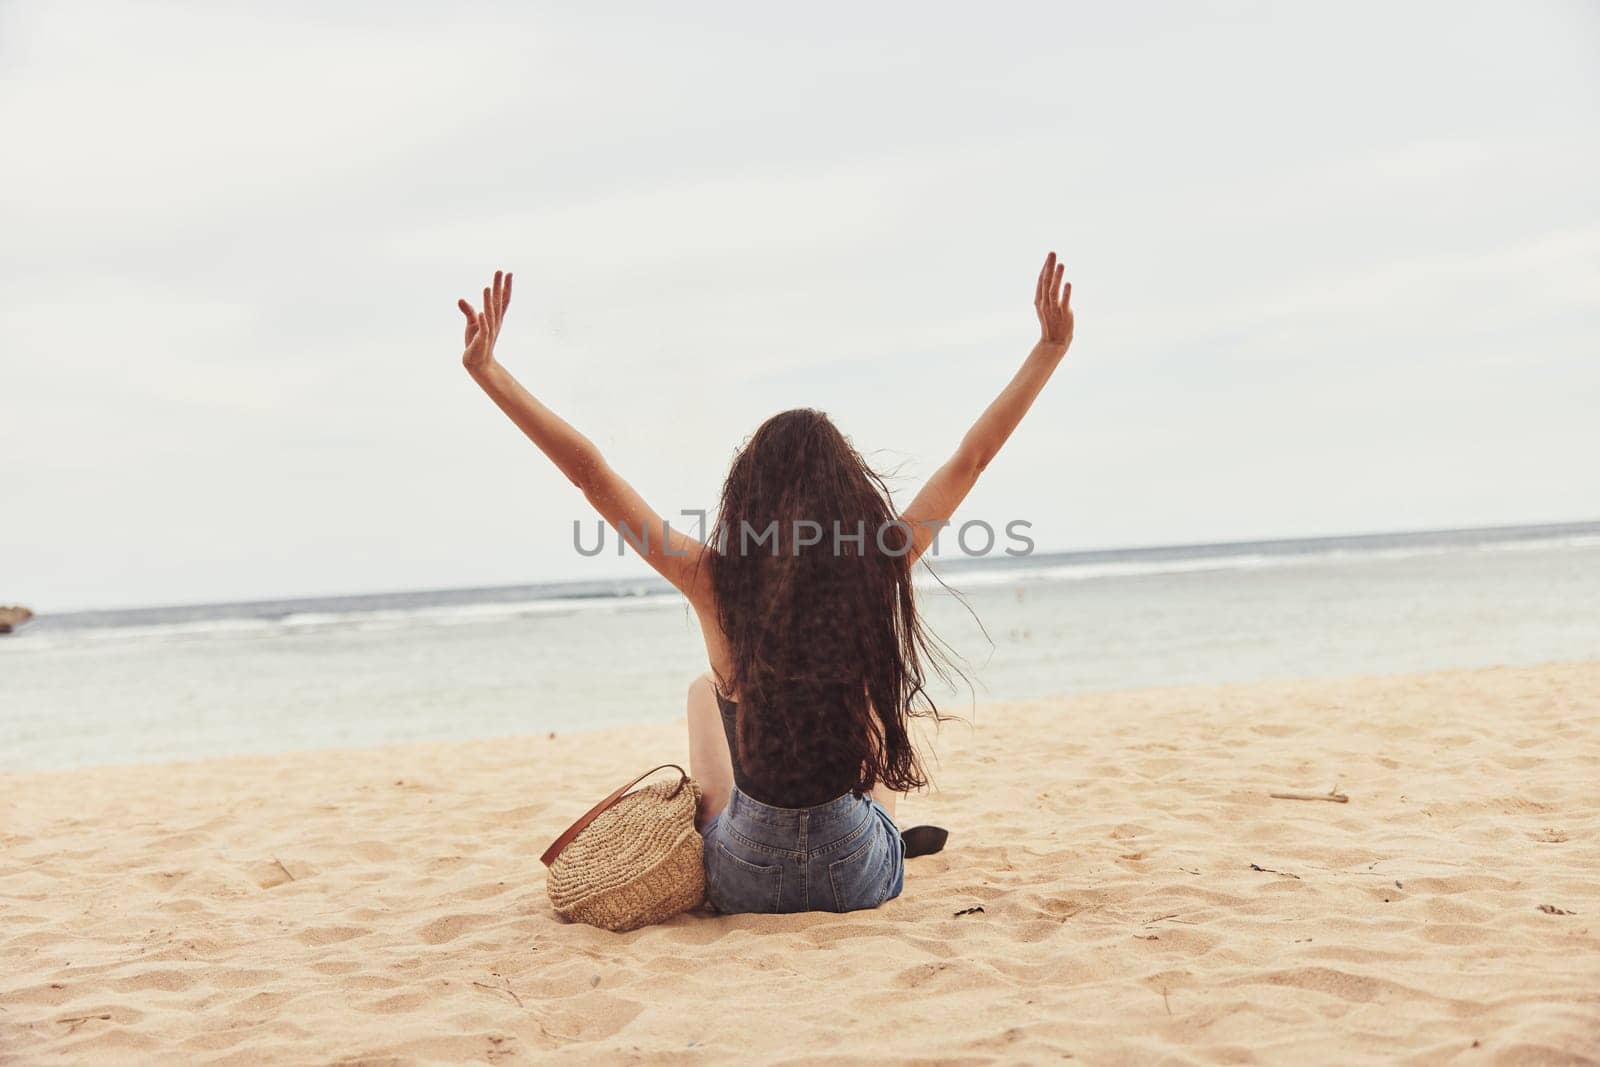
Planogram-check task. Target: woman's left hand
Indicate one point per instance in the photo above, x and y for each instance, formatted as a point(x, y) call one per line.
point(483, 327)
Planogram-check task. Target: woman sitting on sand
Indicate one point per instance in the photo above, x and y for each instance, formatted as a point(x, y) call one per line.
point(798, 733)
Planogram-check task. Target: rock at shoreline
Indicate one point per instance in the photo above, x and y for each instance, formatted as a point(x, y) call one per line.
point(12, 617)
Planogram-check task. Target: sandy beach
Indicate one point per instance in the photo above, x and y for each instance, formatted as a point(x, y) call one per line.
point(1119, 887)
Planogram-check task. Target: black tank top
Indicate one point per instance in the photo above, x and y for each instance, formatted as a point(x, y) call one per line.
point(804, 790)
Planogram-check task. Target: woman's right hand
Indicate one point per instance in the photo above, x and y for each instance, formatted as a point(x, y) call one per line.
point(483, 327)
point(1053, 302)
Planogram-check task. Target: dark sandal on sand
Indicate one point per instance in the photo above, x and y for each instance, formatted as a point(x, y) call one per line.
point(924, 840)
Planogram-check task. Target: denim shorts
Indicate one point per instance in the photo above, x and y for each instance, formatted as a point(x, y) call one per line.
point(844, 855)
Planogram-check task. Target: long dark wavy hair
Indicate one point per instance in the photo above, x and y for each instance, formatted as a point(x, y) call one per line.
point(821, 634)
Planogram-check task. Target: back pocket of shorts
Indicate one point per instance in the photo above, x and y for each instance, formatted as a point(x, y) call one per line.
point(741, 886)
point(861, 878)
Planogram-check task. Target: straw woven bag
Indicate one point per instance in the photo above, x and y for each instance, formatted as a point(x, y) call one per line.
point(633, 859)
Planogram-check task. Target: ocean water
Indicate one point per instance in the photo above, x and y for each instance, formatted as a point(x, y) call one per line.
point(193, 682)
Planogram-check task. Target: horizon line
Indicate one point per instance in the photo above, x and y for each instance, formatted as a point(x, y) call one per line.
point(1576, 526)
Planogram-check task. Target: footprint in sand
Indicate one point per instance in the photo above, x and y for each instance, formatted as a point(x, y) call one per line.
point(451, 927)
point(330, 935)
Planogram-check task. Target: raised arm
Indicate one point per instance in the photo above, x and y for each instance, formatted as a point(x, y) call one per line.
point(577, 457)
point(950, 484)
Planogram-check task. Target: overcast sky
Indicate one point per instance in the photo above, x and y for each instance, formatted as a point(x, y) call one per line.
point(1337, 269)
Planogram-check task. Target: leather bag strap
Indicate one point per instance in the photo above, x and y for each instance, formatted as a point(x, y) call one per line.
point(560, 843)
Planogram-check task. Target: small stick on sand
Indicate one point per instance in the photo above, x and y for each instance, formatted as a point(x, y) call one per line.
point(1337, 798)
point(1165, 1001)
point(282, 868)
point(75, 1021)
point(497, 989)
point(1269, 870)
